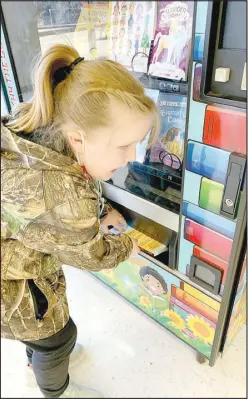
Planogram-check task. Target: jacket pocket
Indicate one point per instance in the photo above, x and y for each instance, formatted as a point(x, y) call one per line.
point(39, 300)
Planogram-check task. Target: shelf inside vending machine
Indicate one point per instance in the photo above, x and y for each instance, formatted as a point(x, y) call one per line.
point(156, 174)
point(153, 182)
point(156, 241)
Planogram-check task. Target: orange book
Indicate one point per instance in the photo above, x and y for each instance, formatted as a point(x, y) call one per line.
point(200, 296)
point(194, 303)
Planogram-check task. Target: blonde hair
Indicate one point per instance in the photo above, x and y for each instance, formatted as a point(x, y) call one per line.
point(81, 100)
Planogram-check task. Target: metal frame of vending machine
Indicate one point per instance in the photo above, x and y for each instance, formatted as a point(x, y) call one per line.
point(197, 288)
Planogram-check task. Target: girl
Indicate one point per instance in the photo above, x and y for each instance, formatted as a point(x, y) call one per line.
point(83, 123)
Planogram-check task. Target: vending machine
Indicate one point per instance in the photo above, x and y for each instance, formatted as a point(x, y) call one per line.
point(184, 198)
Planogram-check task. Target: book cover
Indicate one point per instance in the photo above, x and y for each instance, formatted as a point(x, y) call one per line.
point(209, 162)
point(219, 126)
point(208, 219)
point(208, 239)
point(172, 40)
point(169, 148)
point(200, 296)
point(132, 30)
point(145, 242)
point(194, 303)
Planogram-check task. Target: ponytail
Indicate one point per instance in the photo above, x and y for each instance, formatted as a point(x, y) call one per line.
point(78, 100)
point(28, 117)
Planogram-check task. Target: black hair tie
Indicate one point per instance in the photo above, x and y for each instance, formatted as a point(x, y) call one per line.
point(65, 71)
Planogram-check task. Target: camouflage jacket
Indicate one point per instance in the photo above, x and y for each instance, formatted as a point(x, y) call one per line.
point(49, 217)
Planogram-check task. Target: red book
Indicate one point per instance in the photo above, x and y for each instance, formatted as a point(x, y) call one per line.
point(212, 260)
point(208, 239)
point(225, 128)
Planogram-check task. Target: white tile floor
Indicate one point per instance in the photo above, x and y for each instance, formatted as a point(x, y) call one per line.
point(129, 355)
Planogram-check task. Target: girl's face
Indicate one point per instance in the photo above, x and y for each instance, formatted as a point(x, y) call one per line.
point(106, 149)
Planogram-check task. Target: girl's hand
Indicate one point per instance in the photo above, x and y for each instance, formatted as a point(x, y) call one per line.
point(115, 219)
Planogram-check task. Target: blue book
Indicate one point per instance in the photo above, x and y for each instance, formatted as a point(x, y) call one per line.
point(212, 221)
point(207, 161)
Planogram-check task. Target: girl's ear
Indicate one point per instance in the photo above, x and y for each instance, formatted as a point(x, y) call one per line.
point(76, 140)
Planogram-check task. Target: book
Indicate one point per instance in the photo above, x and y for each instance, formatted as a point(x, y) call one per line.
point(200, 296)
point(132, 29)
point(207, 161)
point(147, 243)
point(172, 40)
point(210, 240)
point(169, 148)
point(194, 303)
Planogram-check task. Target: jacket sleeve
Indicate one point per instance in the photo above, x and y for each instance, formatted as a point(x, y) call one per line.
point(106, 208)
point(56, 214)
point(76, 240)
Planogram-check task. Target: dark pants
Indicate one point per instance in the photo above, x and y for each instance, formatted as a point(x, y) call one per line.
point(50, 360)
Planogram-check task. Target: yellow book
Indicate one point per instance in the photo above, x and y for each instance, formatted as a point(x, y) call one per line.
point(145, 242)
point(202, 297)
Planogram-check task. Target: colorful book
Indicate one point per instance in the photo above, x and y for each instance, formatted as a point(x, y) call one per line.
point(132, 30)
point(199, 295)
point(208, 239)
point(209, 219)
point(225, 128)
point(169, 148)
point(207, 161)
point(211, 194)
point(194, 303)
point(172, 40)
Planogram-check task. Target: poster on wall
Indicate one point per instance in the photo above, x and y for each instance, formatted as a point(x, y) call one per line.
point(169, 148)
point(95, 16)
point(132, 29)
point(172, 40)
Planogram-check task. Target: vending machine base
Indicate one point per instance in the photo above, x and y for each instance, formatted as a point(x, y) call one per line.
point(174, 303)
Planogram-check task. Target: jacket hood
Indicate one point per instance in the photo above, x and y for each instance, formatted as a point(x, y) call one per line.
point(19, 153)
